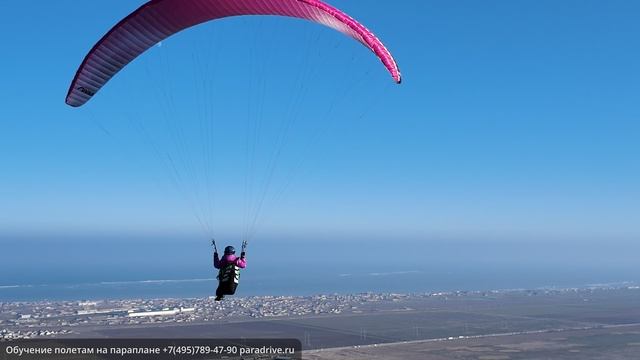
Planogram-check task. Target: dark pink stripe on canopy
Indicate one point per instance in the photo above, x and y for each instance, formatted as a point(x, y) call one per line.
point(158, 19)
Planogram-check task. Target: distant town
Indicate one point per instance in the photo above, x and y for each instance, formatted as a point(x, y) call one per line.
point(21, 320)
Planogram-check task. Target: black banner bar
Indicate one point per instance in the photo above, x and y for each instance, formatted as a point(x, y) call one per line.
point(151, 349)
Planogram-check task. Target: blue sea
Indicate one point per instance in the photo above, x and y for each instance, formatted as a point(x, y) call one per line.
point(103, 268)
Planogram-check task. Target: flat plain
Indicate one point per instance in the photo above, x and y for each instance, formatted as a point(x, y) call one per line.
point(600, 322)
point(593, 323)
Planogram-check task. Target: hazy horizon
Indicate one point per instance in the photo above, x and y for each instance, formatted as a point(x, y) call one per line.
point(120, 268)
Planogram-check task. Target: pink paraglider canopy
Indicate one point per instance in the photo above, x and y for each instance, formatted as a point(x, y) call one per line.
point(156, 20)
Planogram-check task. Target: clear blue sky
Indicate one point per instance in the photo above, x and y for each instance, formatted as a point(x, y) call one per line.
point(517, 120)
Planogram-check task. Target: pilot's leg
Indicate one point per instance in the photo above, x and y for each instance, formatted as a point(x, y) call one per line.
point(219, 292)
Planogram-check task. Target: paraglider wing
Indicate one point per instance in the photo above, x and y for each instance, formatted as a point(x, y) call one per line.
point(156, 20)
